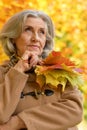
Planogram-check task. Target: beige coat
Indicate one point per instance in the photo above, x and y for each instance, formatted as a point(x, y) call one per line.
point(60, 111)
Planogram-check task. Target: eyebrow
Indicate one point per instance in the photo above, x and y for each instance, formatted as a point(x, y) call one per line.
point(32, 27)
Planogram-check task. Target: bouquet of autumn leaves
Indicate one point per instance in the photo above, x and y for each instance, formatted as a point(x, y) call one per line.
point(57, 69)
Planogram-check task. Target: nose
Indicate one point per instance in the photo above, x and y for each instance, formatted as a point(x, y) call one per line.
point(35, 37)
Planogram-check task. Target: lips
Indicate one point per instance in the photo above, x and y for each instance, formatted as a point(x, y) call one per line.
point(34, 47)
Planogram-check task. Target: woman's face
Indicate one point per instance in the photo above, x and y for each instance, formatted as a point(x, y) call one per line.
point(33, 37)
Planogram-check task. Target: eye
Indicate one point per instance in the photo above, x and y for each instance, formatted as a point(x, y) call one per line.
point(42, 31)
point(28, 29)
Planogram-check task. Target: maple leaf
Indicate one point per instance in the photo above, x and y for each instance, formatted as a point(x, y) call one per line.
point(57, 58)
point(56, 70)
point(41, 79)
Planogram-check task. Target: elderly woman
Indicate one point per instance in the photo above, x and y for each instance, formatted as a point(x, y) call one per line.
point(27, 38)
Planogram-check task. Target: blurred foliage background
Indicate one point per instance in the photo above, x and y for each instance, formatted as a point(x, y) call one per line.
point(70, 21)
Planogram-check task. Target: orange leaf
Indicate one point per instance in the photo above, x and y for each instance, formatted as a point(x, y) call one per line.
point(57, 58)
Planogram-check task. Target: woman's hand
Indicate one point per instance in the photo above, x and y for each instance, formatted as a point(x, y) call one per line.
point(27, 61)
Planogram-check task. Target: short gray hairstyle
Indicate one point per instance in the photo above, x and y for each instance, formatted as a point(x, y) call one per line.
point(13, 28)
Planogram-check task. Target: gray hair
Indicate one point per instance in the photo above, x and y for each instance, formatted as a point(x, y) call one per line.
point(14, 27)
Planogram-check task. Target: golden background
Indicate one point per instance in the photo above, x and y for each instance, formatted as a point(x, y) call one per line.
point(70, 21)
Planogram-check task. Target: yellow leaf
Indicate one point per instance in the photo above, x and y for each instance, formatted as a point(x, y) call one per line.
point(41, 80)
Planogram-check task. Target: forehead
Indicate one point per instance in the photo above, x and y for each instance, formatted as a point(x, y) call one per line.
point(35, 22)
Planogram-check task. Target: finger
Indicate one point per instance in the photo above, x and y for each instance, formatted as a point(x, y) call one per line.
point(26, 55)
point(33, 62)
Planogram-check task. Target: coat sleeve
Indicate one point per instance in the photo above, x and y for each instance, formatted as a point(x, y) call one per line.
point(10, 89)
point(62, 114)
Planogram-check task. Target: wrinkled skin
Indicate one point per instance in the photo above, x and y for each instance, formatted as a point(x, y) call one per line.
point(30, 43)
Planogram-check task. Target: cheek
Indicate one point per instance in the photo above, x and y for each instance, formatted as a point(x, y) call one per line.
point(43, 45)
point(43, 42)
point(20, 45)
point(22, 41)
